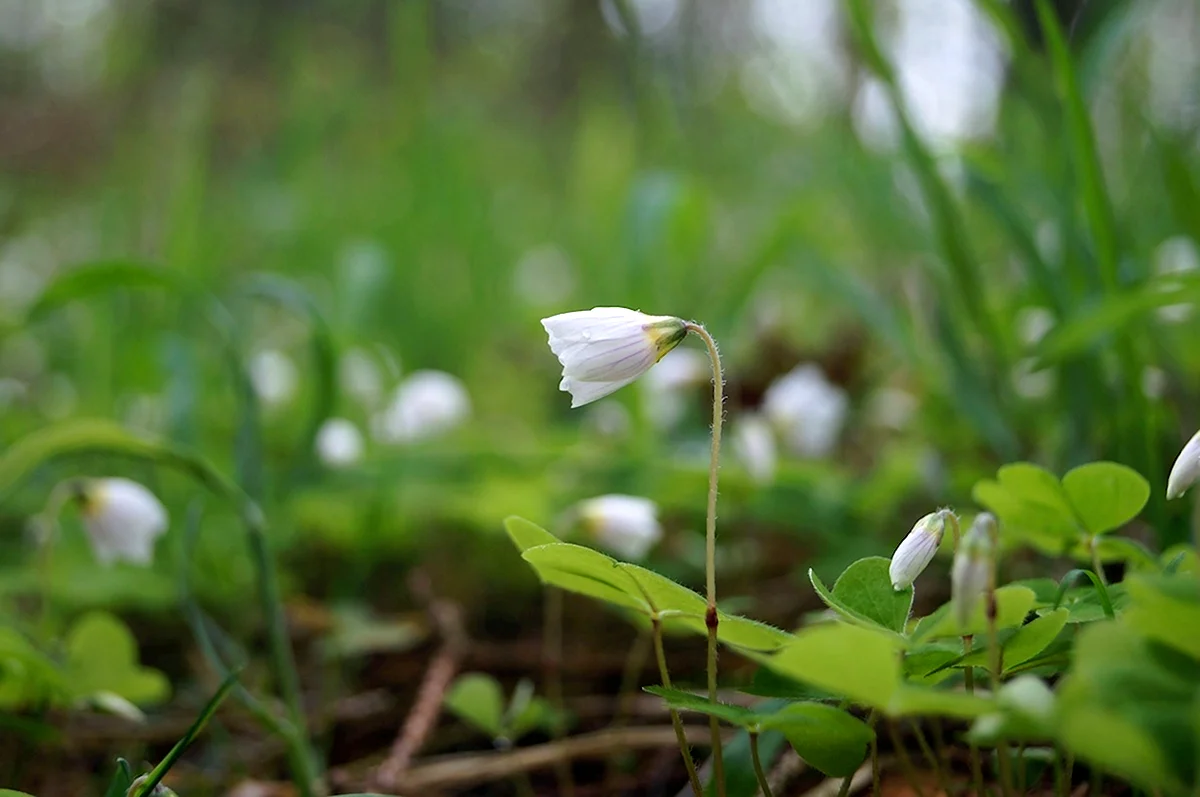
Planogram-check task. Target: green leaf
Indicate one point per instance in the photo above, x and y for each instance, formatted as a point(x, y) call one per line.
point(1033, 637)
point(122, 779)
point(1012, 604)
point(1106, 495)
point(827, 738)
point(477, 699)
point(1101, 590)
point(923, 701)
point(1168, 618)
point(858, 663)
point(90, 279)
point(1106, 739)
point(12, 793)
point(845, 612)
point(587, 572)
point(102, 657)
point(526, 534)
point(159, 772)
point(865, 588)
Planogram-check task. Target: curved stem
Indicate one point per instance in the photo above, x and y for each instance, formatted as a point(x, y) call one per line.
point(710, 545)
point(676, 722)
point(1096, 564)
point(763, 785)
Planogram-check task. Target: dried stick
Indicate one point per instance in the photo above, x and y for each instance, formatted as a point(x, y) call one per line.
point(427, 706)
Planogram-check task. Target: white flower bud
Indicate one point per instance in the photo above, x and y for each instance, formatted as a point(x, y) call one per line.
point(971, 574)
point(916, 551)
point(122, 519)
point(339, 443)
point(274, 376)
point(425, 405)
point(624, 524)
point(1186, 469)
point(606, 348)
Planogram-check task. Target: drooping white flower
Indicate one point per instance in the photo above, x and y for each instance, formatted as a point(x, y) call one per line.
point(627, 525)
point(1186, 469)
point(606, 348)
point(339, 443)
point(971, 573)
point(273, 375)
point(665, 388)
point(917, 550)
point(754, 445)
point(122, 519)
point(426, 404)
point(807, 409)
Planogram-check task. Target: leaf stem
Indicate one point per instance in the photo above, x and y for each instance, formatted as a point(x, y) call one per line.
point(552, 639)
point(676, 722)
point(763, 785)
point(710, 545)
point(969, 683)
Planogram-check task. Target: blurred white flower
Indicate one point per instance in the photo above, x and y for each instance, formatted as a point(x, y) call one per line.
point(543, 276)
point(664, 390)
point(1176, 255)
point(754, 445)
point(916, 550)
point(606, 348)
point(122, 519)
point(1033, 324)
point(807, 409)
point(273, 375)
point(892, 408)
point(608, 418)
point(339, 443)
point(624, 524)
point(360, 378)
point(426, 404)
point(1030, 383)
point(971, 573)
point(1154, 382)
point(1186, 469)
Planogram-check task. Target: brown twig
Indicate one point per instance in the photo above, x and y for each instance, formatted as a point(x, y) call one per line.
point(427, 706)
point(462, 769)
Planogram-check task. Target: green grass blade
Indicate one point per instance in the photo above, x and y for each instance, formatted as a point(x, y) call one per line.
point(164, 766)
point(1101, 590)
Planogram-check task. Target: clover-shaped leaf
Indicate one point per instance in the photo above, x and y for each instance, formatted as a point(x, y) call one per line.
point(102, 657)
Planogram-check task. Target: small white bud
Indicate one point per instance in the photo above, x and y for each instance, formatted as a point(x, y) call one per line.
point(971, 574)
point(274, 376)
point(606, 348)
point(627, 525)
point(426, 404)
point(122, 519)
point(917, 550)
point(339, 443)
point(1186, 469)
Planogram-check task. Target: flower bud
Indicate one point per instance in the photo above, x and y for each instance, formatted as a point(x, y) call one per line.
point(606, 348)
point(627, 525)
point(1186, 469)
point(917, 550)
point(971, 574)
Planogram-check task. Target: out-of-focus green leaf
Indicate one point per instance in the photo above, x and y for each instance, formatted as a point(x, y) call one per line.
point(102, 657)
point(1106, 495)
point(1012, 604)
point(90, 279)
point(859, 663)
point(477, 699)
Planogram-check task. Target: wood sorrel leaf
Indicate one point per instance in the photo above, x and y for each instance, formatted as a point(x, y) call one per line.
point(102, 657)
point(1106, 495)
point(859, 663)
point(865, 588)
point(525, 534)
point(477, 699)
point(1012, 604)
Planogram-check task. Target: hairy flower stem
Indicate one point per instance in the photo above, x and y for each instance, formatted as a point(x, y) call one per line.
point(676, 722)
point(763, 785)
point(969, 683)
point(710, 545)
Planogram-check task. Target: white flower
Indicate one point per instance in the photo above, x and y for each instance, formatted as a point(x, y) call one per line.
point(664, 390)
point(971, 574)
point(1031, 383)
point(122, 519)
point(273, 375)
point(426, 404)
point(807, 409)
point(624, 524)
point(1186, 469)
point(1033, 324)
point(359, 376)
point(339, 443)
point(754, 445)
point(606, 348)
point(916, 550)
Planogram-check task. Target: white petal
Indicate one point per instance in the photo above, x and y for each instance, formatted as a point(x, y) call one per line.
point(587, 392)
point(1186, 469)
point(123, 519)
